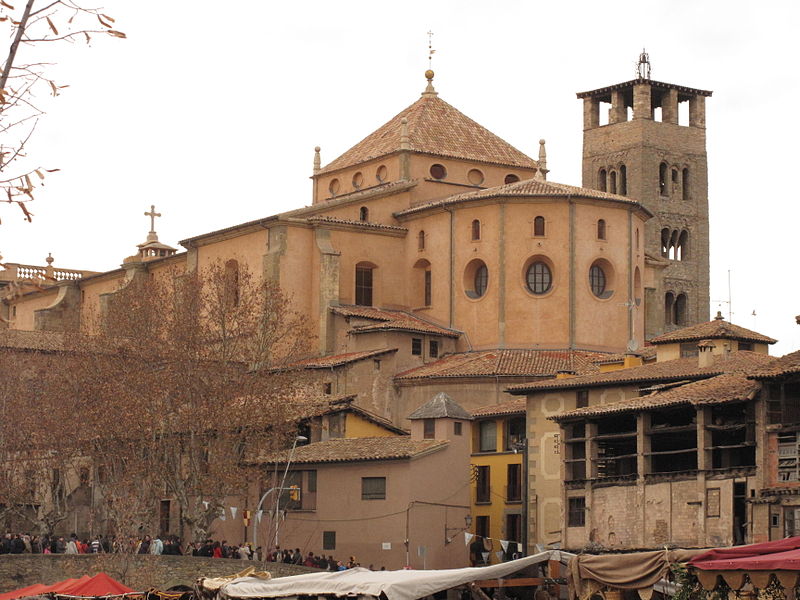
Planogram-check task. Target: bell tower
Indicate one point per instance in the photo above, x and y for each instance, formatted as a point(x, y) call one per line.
point(652, 149)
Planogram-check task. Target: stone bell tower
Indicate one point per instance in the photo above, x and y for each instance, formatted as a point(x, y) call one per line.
point(645, 151)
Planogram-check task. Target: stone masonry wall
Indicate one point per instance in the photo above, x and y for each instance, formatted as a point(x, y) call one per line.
point(139, 572)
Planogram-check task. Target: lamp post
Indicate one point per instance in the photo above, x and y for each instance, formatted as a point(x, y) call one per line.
point(299, 438)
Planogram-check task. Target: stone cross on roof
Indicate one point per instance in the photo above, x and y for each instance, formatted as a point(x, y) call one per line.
point(152, 214)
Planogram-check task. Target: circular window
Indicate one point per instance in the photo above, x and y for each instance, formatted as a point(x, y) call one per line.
point(475, 177)
point(597, 280)
point(382, 173)
point(538, 278)
point(511, 178)
point(358, 180)
point(438, 171)
point(476, 278)
point(333, 187)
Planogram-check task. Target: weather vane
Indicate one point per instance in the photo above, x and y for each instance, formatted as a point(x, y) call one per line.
point(431, 51)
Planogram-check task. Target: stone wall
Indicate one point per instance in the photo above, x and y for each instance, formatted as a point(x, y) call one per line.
point(139, 572)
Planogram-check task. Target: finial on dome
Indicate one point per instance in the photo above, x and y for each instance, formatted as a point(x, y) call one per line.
point(429, 90)
point(317, 160)
point(541, 172)
point(49, 260)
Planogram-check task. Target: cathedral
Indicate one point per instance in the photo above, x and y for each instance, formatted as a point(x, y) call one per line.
point(435, 256)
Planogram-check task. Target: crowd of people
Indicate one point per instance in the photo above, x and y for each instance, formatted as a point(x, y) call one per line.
point(23, 543)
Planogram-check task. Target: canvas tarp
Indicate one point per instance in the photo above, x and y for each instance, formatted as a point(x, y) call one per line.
point(396, 585)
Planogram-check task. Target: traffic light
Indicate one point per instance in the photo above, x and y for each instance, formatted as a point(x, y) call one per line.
point(294, 493)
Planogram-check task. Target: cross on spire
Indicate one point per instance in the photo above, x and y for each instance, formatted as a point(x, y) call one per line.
point(152, 214)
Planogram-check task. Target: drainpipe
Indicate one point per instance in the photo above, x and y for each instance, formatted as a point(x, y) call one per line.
point(452, 267)
point(571, 272)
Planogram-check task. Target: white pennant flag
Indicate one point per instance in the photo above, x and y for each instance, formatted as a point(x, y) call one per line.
point(222, 513)
point(504, 545)
point(467, 538)
point(205, 504)
point(259, 514)
point(485, 556)
point(499, 555)
point(233, 512)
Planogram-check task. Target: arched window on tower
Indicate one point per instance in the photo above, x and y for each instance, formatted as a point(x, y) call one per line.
point(421, 240)
point(601, 180)
point(680, 310)
point(476, 230)
point(364, 281)
point(669, 308)
point(665, 233)
point(613, 187)
point(686, 187)
point(538, 226)
point(623, 180)
point(662, 179)
point(601, 229)
point(675, 183)
point(682, 250)
point(363, 214)
point(232, 282)
point(673, 245)
point(422, 284)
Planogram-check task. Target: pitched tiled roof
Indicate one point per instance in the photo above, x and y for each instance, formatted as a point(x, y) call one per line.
point(715, 329)
point(522, 189)
point(337, 360)
point(647, 353)
point(358, 450)
point(390, 320)
point(506, 363)
point(440, 406)
point(31, 340)
point(788, 364)
point(517, 406)
point(728, 387)
point(346, 404)
point(434, 127)
point(364, 224)
point(660, 372)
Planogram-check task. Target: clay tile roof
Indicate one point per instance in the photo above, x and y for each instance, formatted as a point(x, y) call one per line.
point(346, 404)
point(517, 406)
point(364, 224)
point(338, 360)
point(715, 329)
point(31, 340)
point(647, 353)
point(434, 127)
point(523, 189)
point(439, 407)
point(659, 372)
point(357, 450)
point(390, 320)
point(728, 387)
point(506, 363)
point(788, 364)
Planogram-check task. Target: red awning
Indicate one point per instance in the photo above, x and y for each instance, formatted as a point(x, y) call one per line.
point(780, 555)
point(99, 585)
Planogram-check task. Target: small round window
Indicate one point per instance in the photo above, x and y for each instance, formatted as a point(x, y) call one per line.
point(597, 281)
point(333, 187)
point(511, 178)
point(358, 180)
point(475, 177)
point(382, 173)
point(539, 279)
point(438, 171)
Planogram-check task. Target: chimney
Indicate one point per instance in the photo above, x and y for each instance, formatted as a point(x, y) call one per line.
point(705, 353)
point(632, 360)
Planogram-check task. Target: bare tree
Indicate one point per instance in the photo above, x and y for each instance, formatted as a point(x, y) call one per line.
point(34, 24)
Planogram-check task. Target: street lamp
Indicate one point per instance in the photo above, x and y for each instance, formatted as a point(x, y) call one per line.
point(299, 438)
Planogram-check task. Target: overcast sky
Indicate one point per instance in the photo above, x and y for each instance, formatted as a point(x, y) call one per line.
point(211, 111)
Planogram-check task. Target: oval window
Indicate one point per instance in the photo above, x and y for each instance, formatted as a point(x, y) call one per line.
point(438, 171)
point(597, 280)
point(476, 279)
point(481, 280)
point(333, 187)
point(358, 180)
point(382, 173)
point(475, 177)
point(539, 278)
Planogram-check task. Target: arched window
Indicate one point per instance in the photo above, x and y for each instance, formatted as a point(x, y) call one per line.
point(680, 309)
point(613, 187)
point(665, 233)
point(364, 284)
point(662, 179)
point(363, 214)
point(597, 280)
point(601, 180)
point(232, 282)
point(601, 229)
point(421, 240)
point(539, 278)
point(686, 184)
point(427, 292)
point(669, 308)
point(623, 180)
point(673, 245)
point(538, 226)
point(481, 280)
point(682, 251)
point(511, 178)
point(476, 230)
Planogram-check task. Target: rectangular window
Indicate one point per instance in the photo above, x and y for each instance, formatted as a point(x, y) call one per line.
point(456, 428)
point(514, 527)
point(329, 540)
point(577, 512)
point(482, 526)
point(416, 346)
point(746, 346)
point(487, 436)
point(427, 288)
point(514, 480)
point(364, 286)
point(581, 398)
point(483, 485)
point(376, 364)
point(689, 349)
point(163, 517)
point(373, 488)
point(514, 433)
point(429, 429)
point(433, 349)
point(327, 388)
point(791, 521)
